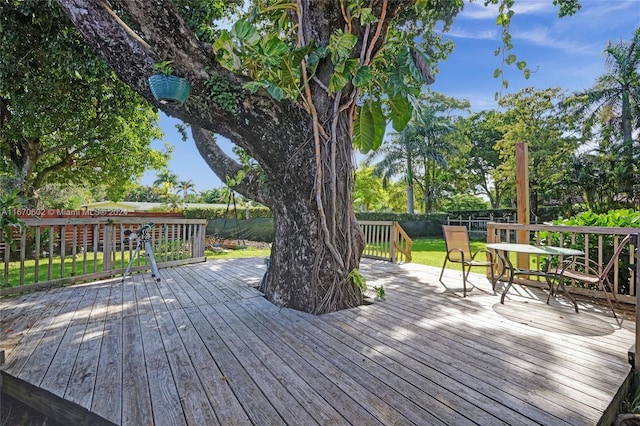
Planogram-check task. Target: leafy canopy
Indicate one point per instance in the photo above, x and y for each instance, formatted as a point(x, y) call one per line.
point(264, 45)
point(64, 116)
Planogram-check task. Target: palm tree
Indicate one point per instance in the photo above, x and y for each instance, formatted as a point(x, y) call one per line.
point(399, 156)
point(616, 93)
point(417, 153)
point(433, 151)
point(185, 186)
point(173, 202)
point(166, 178)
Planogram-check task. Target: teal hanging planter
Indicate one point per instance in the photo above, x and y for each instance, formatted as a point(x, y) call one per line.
point(169, 89)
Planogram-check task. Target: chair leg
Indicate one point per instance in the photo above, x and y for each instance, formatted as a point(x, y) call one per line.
point(606, 294)
point(493, 275)
point(464, 279)
point(443, 265)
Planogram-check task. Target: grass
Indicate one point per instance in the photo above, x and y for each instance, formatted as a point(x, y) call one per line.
point(425, 251)
point(43, 269)
point(236, 254)
point(57, 268)
point(432, 251)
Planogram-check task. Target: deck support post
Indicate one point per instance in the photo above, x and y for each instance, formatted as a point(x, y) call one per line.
point(522, 199)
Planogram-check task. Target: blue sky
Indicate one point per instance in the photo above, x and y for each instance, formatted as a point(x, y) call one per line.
point(565, 53)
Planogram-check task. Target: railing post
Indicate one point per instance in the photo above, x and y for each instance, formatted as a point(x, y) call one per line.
point(201, 239)
point(392, 244)
point(106, 246)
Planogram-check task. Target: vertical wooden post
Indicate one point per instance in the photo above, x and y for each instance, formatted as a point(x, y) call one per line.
point(392, 244)
point(522, 199)
point(106, 246)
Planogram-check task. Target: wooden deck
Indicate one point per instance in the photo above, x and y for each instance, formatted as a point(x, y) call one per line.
point(202, 347)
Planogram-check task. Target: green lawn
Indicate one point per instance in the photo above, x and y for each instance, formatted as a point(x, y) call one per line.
point(432, 251)
point(57, 271)
point(234, 254)
point(425, 251)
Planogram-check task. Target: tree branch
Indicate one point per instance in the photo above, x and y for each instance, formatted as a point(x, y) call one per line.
point(226, 167)
point(165, 36)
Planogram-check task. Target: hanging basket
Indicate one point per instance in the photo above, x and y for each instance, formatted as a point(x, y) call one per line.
point(169, 89)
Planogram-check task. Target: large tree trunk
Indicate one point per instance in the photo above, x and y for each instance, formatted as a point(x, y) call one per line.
point(311, 258)
point(304, 152)
point(317, 240)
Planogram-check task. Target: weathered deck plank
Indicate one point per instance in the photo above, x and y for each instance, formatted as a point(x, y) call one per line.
point(107, 394)
point(202, 347)
point(136, 403)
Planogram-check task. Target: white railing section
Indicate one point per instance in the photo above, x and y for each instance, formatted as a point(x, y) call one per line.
point(60, 251)
point(595, 241)
point(477, 226)
point(386, 240)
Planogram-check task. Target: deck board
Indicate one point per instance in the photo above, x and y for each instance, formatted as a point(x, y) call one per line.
point(203, 347)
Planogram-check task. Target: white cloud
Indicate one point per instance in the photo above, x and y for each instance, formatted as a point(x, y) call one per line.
point(480, 34)
point(477, 10)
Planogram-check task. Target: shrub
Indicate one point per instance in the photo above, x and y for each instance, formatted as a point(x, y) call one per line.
point(223, 212)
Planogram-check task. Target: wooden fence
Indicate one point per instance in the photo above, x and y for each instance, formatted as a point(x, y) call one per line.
point(386, 240)
point(60, 251)
point(598, 243)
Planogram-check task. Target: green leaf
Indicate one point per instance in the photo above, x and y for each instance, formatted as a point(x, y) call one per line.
point(273, 47)
point(362, 76)
point(340, 45)
point(314, 58)
point(254, 86)
point(380, 124)
point(369, 127)
point(289, 75)
point(245, 32)
point(351, 65)
point(280, 6)
point(337, 81)
point(358, 279)
point(224, 42)
point(497, 72)
point(527, 73)
point(366, 17)
point(511, 59)
point(411, 66)
point(290, 67)
point(276, 92)
point(400, 112)
point(363, 132)
point(299, 54)
point(521, 65)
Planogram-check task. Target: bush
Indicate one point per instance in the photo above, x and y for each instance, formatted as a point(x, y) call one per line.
point(400, 217)
point(223, 212)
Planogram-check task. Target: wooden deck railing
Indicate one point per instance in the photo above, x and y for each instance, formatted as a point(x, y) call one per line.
point(386, 240)
point(60, 251)
point(598, 243)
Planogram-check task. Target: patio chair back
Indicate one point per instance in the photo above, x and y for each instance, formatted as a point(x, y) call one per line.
point(588, 271)
point(456, 239)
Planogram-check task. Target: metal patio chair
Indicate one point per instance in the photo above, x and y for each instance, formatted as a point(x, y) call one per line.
point(588, 271)
point(459, 251)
